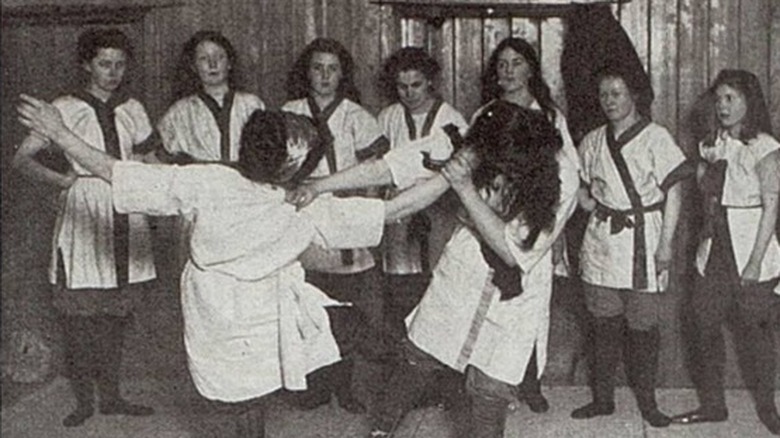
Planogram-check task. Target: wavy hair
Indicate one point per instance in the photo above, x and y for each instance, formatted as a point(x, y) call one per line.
point(520, 144)
point(298, 84)
point(539, 89)
point(187, 80)
point(407, 59)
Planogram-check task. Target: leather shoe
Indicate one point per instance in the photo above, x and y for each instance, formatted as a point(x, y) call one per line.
point(771, 420)
point(537, 403)
point(593, 409)
point(701, 416)
point(78, 417)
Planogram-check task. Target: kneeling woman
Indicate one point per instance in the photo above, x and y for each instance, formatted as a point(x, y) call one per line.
point(478, 315)
point(251, 323)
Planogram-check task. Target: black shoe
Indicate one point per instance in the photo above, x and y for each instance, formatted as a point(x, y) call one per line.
point(701, 415)
point(308, 402)
point(537, 403)
point(771, 420)
point(123, 407)
point(78, 417)
point(350, 404)
point(593, 409)
point(656, 418)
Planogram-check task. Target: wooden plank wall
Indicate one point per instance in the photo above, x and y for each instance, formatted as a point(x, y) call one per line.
point(682, 43)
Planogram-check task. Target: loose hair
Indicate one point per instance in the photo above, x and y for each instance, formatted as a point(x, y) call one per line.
point(636, 82)
point(187, 80)
point(298, 83)
point(756, 118)
point(403, 60)
point(539, 89)
point(522, 145)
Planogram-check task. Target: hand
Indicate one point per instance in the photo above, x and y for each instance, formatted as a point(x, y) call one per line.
point(42, 117)
point(458, 171)
point(68, 179)
point(302, 196)
point(750, 274)
point(663, 258)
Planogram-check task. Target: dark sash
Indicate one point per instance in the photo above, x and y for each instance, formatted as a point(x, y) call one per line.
point(107, 120)
point(221, 115)
point(639, 278)
point(321, 118)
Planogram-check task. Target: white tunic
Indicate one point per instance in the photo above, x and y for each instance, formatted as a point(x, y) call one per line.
point(607, 259)
point(84, 231)
point(353, 129)
point(742, 197)
point(460, 320)
point(190, 127)
point(402, 255)
point(251, 323)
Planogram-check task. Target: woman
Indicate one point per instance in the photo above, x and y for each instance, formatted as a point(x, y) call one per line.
point(738, 260)
point(252, 324)
point(632, 170)
point(100, 258)
point(205, 122)
point(472, 316)
point(321, 86)
point(514, 75)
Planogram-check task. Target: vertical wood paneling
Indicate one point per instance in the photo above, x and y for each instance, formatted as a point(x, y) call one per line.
point(527, 29)
point(442, 48)
point(468, 60)
point(414, 33)
point(634, 18)
point(550, 56)
point(663, 62)
point(368, 57)
point(724, 35)
point(756, 17)
point(692, 73)
point(494, 30)
point(773, 92)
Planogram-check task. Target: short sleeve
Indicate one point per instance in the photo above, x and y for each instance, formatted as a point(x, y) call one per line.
point(768, 169)
point(667, 156)
point(406, 160)
point(347, 222)
point(141, 123)
point(365, 129)
point(585, 152)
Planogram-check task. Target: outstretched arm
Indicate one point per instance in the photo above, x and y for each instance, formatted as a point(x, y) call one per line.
point(45, 119)
point(415, 199)
point(25, 162)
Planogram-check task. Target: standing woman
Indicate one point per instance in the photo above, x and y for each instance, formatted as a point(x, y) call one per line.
point(205, 123)
point(206, 120)
point(738, 260)
point(632, 169)
point(410, 78)
point(100, 258)
point(321, 86)
point(514, 74)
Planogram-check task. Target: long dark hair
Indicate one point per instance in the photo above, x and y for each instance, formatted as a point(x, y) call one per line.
point(539, 89)
point(187, 80)
point(298, 83)
point(757, 117)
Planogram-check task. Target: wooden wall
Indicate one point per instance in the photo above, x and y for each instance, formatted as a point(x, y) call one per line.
point(682, 43)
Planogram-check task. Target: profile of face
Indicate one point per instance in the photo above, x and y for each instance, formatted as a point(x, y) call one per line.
point(324, 74)
point(211, 63)
point(414, 90)
point(730, 107)
point(493, 194)
point(513, 70)
point(616, 99)
point(107, 69)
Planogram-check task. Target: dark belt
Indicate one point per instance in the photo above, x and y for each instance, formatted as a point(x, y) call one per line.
point(620, 218)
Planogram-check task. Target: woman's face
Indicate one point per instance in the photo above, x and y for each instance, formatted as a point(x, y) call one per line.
point(324, 74)
point(107, 69)
point(730, 107)
point(414, 90)
point(493, 194)
point(212, 63)
point(513, 70)
point(616, 99)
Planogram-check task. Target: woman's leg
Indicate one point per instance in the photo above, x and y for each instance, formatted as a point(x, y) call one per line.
point(755, 305)
point(642, 358)
point(244, 419)
point(607, 307)
point(490, 399)
point(78, 333)
point(530, 389)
